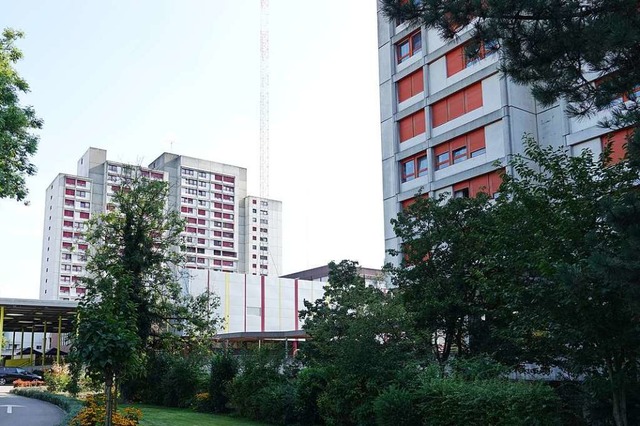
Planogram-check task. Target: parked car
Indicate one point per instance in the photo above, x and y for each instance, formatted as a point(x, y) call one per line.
point(9, 374)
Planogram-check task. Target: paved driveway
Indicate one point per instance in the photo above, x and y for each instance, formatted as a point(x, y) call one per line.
point(18, 410)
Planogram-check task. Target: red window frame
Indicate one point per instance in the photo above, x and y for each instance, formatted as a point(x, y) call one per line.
point(412, 40)
point(472, 143)
point(412, 125)
point(457, 104)
point(457, 59)
point(488, 183)
point(410, 85)
point(618, 141)
point(417, 171)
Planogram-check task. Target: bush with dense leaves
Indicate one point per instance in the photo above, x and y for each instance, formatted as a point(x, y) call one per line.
point(57, 378)
point(224, 368)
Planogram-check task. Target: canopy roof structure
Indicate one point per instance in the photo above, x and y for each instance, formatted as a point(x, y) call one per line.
point(34, 315)
point(261, 336)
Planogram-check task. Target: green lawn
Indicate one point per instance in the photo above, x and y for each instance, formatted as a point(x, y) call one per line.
point(163, 416)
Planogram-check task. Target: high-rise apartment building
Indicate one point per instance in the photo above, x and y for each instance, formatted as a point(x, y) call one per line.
point(446, 120)
point(225, 230)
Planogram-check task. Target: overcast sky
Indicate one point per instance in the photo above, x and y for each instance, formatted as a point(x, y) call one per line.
point(139, 78)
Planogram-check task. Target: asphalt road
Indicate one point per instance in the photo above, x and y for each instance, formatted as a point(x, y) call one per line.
point(18, 410)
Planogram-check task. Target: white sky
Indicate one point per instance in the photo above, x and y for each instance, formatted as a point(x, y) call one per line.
point(132, 76)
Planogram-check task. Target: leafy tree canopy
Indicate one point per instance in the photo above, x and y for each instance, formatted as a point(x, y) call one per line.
point(17, 141)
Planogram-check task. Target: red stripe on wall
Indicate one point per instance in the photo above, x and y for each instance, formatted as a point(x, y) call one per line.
point(245, 302)
point(295, 283)
point(262, 307)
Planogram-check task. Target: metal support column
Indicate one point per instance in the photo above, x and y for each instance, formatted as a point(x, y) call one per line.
point(13, 345)
point(44, 342)
point(21, 342)
point(1, 325)
point(59, 339)
point(31, 355)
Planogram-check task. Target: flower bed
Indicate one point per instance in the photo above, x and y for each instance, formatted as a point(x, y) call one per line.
point(27, 383)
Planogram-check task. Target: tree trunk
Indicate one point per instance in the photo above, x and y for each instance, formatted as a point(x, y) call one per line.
point(619, 397)
point(108, 397)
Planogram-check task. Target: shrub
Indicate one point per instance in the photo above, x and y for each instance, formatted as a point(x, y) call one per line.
point(396, 407)
point(57, 378)
point(249, 391)
point(93, 414)
point(182, 381)
point(224, 368)
point(310, 384)
point(496, 402)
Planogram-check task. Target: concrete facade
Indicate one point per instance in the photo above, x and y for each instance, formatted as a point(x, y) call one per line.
point(492, 106)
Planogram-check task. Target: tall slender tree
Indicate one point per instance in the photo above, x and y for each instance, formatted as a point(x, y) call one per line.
point(133, 297)
point(18, 141)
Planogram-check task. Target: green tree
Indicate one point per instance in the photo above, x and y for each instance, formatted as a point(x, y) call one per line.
point(442, 273)
point(358, 342)
point(566, 265)
point(133, 299)
point(18, 142)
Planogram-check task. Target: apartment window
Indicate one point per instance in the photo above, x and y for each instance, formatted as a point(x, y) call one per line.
point(84, 204)
point(65, 279)
point(217, 187)
point(203, 175)
point(217, 205)
point(227, 234)
point(77, 268)
point(81, 183)
point(191, 220)
point(410, 85)
point(263, 248)
point(83, 246)
point(254, 247)
point(456, 105)
point(82, 257)
point(229, 179)
point(264, 212)
point(202, 241)
point(202, 222)
point(67, 234)
point(65, 267)
point(228, 244)
point(70, 203)
point(264, 221)
point(254, 201)
point(409, 46)
point(618, 142)
point(488, 183)
point(187, 172)
point(112, 168)
point(460, 149)
point(264, 203)
point(202, 193)
point(203, 203)
point(191, 259)
point(263, 230)
point(190, 229)
point(202, 184)
point(66, 245)
point(412, 125)
point(157, 176)
point(201, 260)
point(228, 206)
point(228, 216)
point(81, 194)
point(228, 197)
point(66, 256)
point(69, 181)
point(457, 59)
point(414, 167)
point(70, 192)
point(217, 243)
point(68, 213)
point(254, 211)
point(84, 215)
point(254, 238)
point(264, 239)
point(202, 231)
